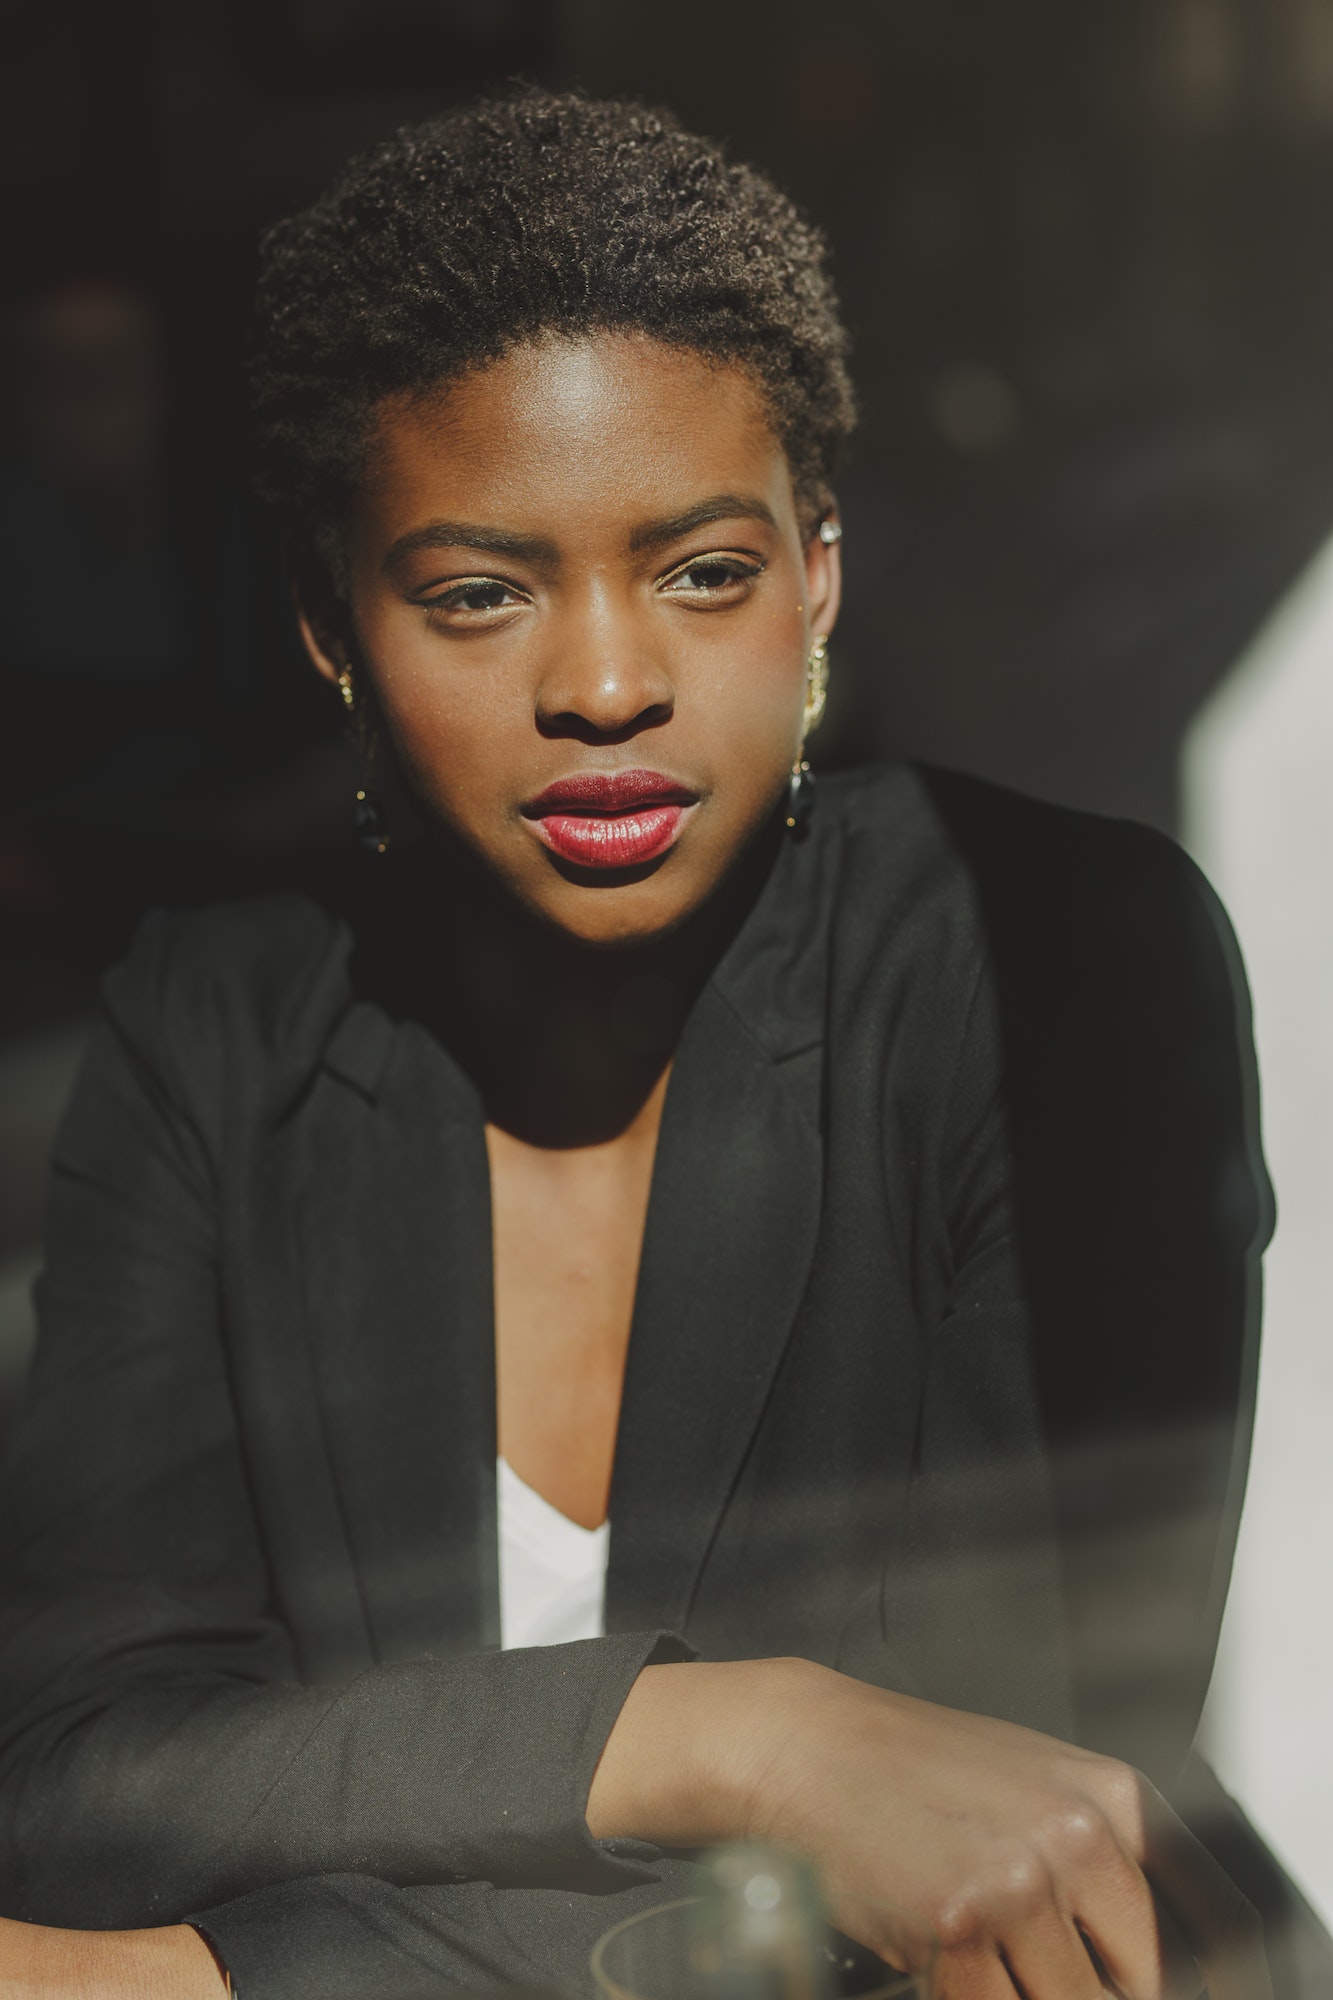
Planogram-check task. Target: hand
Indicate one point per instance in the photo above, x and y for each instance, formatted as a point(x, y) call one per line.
point(1032, 1862)
point(39, 1962)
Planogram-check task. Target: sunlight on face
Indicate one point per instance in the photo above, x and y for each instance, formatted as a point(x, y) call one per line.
point(581, 567)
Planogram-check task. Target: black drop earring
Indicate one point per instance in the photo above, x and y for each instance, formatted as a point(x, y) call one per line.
point(369, 823)
point(368, 820)
point(800, 798)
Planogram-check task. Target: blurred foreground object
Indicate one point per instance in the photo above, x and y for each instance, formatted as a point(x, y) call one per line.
point(756, 1933)
point(1259, 818)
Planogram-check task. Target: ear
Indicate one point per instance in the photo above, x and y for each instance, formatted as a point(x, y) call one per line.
point(321, 618)
point(823, 573)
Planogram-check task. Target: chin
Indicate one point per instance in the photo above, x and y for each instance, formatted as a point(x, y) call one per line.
point(635, 910)
point(620, 930)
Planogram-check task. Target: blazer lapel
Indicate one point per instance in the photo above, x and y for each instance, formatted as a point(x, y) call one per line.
point(731, 1230)
point(396, 1245)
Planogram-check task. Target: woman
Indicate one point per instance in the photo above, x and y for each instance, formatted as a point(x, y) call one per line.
point(620, 1026)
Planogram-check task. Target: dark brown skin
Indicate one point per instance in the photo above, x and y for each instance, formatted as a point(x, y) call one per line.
point(598, 645)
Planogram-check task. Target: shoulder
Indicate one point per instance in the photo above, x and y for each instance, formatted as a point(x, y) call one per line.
point(272, 962)
point(210, 998)
point(1113, 994)
point(925, 820)
point(1011, 874)
point(1060, 943)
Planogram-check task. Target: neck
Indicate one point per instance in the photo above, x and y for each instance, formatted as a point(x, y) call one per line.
point(571, 1042)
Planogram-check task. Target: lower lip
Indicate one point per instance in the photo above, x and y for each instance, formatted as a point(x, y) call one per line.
point(611, 840)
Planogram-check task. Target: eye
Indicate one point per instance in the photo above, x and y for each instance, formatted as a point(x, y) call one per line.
point(719, 579)
point(472, 600)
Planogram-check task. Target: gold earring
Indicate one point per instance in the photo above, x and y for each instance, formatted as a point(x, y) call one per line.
point(347, 691)
point(816, 686)
point(801, 783)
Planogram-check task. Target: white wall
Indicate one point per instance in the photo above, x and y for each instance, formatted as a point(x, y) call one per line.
point(1259, 819)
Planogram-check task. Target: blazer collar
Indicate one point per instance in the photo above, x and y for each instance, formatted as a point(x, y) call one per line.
point(361, 1047)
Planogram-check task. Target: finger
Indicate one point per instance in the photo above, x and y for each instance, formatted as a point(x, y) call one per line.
point(975, 1972)
point(1133, 1938)
point(1221, 1928)
point(1048, 1960)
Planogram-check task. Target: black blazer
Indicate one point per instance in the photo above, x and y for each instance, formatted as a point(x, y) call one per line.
point(940, 1371)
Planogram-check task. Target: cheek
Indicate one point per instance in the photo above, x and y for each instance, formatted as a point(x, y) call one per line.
point(753, 725)
point(453, 722)
point(460, 750)
point(751, 709)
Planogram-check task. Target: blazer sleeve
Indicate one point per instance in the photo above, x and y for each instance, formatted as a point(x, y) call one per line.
point(157, 1750)
point(358, 1937)
point(1107, 1173)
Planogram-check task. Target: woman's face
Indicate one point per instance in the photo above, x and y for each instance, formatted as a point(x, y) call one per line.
point(580, 595)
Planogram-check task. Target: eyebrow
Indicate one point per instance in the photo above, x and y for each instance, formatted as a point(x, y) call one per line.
point(471, 535)
point(719, 507)
point(544, 554)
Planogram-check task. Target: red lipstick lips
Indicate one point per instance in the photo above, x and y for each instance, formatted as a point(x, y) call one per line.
point(610, 819)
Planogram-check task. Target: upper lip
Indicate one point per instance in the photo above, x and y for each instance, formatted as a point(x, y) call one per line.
point(610, 792)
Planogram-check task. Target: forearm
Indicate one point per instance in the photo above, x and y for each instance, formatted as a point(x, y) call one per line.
point(40, 1963)
point(354, 1934)
point(170, 1799)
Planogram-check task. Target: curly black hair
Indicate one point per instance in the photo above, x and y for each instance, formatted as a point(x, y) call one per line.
point(529, 214)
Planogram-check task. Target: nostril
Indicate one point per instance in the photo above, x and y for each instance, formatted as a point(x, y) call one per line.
point(583, 725)
point(605, 690)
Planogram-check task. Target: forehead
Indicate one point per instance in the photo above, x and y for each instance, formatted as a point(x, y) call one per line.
point(563, 430)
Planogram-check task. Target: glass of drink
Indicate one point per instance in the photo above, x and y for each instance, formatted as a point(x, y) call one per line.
point(756, 1932)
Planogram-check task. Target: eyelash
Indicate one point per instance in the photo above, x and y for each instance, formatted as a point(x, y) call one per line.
point(469, 586)
point(729, 569)
point(726, 574)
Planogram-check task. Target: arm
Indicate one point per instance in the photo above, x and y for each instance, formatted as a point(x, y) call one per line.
point(1122, 1023)
point(158, 1753)
point(1010, 1847)
point(40, 1963)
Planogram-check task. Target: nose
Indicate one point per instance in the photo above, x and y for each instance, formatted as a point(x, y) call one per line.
point(603, 685)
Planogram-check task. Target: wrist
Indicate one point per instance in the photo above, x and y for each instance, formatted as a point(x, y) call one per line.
point(171, 1963)
point(778, 1748)
point(701, 1751)
point(43, 1962)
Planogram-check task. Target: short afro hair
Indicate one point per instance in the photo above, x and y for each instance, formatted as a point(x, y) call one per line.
point(530, 214)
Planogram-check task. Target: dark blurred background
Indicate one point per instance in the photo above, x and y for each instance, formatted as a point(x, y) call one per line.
point(1083, 249)
point(1083, 246)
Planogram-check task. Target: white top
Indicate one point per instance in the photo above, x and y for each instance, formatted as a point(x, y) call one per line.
point(552, 1571)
